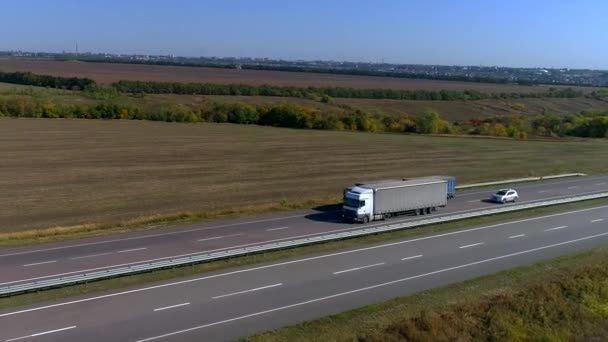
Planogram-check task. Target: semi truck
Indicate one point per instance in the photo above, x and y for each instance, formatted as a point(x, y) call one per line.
point(366, 202)
point(451, 184)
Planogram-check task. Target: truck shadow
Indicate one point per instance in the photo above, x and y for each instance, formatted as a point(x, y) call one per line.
point(333, 214)
point(327, 213)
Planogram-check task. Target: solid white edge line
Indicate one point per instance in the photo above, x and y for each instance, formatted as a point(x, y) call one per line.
point(279, 228)
point(359, 268)
point(247, 291)
point(260, 221)
point(40, 263)
point(603, 183)
point(472, 245)
point(132, 250)
point(41, 333)
point(290, 262)
point(517, 236)
point(153, 235)
point(169, 257)
point(299, 236)
point(412, 257)
point(597, 220)
point(556, 228)
point(171, 306)
point(233, 247)
point(523, 184)
point(193, 253)
point(373, 287)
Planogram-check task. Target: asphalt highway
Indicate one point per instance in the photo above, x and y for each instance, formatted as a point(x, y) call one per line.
point(238, 302)
point(63, 258)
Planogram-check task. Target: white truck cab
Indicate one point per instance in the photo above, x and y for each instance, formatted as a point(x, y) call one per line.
point(358, 203)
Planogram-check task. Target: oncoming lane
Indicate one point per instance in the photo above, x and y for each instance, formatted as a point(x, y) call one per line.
point(233, 303)
point(97, 254)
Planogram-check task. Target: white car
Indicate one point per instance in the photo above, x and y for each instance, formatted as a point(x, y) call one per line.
point(504, 196)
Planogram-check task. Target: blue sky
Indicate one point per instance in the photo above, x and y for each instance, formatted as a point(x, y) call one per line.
point(558, 33)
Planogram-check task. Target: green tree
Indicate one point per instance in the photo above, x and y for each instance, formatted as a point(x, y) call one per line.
point(499, 130)
point(326, 99)
point(429, 123)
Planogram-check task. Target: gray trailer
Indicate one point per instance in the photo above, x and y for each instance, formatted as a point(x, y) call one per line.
point(377, 201)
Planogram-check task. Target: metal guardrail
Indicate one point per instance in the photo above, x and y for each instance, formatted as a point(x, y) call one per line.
point(205, 257)
point(519, 180)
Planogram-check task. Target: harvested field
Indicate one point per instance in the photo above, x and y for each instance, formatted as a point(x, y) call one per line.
point(111, 72)
point(64, 172)
point(463, 110)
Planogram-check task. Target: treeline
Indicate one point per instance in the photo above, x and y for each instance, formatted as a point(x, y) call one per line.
point(148, 62)
point(585, 124)
point(279, 115)
point(323, 93)
point(321, 70)
point(601, 93)
point(143, 87)
point(28, 78)
point(392, 74)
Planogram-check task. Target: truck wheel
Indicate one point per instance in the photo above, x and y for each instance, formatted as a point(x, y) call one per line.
point(365, 219)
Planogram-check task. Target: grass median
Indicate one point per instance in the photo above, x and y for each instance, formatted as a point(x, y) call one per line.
point(563, 299)
point(185, 271)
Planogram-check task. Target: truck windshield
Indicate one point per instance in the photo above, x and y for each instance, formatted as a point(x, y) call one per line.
point(350, 202)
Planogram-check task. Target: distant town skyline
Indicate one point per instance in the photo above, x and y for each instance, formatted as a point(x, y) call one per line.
point(542, 33)
point(219, 59)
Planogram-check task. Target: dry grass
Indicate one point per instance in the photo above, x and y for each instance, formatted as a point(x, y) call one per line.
point(56, 233)
point(110, 72)
point(564, 299)
point(463, 110)
point(69, 172)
